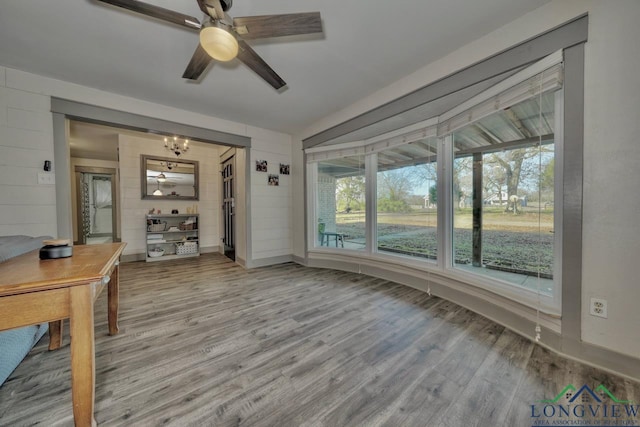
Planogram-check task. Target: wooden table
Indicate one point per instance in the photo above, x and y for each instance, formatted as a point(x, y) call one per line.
point(34, 291)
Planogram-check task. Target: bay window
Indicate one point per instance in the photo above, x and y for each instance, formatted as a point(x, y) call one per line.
point(471, 194)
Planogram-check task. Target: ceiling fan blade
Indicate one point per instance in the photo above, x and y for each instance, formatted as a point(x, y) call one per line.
point(257, 64)
point(258, 27)
point(203, 7)
point(208, 8)
point(218, 8)
point(197, 64)
point(157, 12)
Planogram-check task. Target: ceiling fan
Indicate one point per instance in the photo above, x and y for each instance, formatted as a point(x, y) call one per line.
point(223, 38)
point(162, 178)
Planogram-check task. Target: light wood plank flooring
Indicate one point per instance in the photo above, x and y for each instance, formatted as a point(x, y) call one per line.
point(204, 342)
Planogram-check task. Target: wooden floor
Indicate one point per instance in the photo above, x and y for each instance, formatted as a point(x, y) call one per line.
point(205, 342)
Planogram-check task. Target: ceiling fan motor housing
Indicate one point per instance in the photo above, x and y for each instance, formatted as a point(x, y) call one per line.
point(226, 4)
point(223, 38)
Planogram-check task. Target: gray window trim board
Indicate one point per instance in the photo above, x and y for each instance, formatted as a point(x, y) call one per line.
point(572, 170)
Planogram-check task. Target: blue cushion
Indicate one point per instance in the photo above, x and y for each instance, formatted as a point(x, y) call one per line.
point(12, 246)
point(15, 344)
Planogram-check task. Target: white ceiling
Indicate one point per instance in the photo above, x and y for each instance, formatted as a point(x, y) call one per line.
point(367, 44)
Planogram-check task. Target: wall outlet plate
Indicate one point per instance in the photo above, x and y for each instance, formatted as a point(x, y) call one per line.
point(598, 307)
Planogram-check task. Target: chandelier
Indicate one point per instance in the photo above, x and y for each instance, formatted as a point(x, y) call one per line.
point(175, 146)
point(168, 165)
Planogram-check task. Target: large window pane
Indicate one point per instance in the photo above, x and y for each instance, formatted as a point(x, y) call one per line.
point(406, 200)
point(503, 197)
point(340, 205)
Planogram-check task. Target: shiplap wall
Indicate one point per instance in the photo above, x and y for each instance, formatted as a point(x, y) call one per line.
point(134, 208)
point(271, 208)
point(271, 228)
point(26, 141)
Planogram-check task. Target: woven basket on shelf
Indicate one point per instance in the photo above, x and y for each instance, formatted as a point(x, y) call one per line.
point(157, 227)
point(187, 227)
point(186, 248)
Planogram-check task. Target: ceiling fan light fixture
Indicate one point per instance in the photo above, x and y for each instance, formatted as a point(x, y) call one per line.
point(219, 43)
point(158, 192)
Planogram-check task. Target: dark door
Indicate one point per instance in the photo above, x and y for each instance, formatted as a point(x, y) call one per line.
point(228, 208)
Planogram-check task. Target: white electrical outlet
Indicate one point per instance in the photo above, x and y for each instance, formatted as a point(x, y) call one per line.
point(598, 307)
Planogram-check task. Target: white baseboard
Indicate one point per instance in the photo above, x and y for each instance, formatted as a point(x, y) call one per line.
point(264, 262)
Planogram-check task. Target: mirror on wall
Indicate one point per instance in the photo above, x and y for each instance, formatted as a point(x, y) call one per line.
point(164, 178)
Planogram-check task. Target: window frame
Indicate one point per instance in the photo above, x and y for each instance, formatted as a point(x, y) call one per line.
point(389, 256)
point(551, 304)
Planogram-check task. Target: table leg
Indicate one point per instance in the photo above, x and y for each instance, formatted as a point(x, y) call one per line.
point(55, 334)
point(83, 373)
point(113, 296)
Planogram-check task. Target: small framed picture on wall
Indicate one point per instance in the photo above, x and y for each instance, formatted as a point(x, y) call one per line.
point(261, 165)
point(284, 169)
point(273, 180)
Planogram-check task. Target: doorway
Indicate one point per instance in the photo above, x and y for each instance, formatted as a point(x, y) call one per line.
point(228, 208)
point(96, 205)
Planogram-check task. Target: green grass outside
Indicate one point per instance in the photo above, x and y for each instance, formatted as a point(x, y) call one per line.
point(511, 242)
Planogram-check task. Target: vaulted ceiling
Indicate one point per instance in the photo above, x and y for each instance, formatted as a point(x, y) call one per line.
point(366, 45)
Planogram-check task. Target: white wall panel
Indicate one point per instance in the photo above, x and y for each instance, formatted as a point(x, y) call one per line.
point(272, 228)
point(611, 231)
point(28, 82)
point(26, 140)
point(29, 120)
point(40, 195)
point(24, 157)
point(22, 100)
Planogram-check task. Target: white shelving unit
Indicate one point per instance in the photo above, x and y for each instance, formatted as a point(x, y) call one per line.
point(174, 235)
